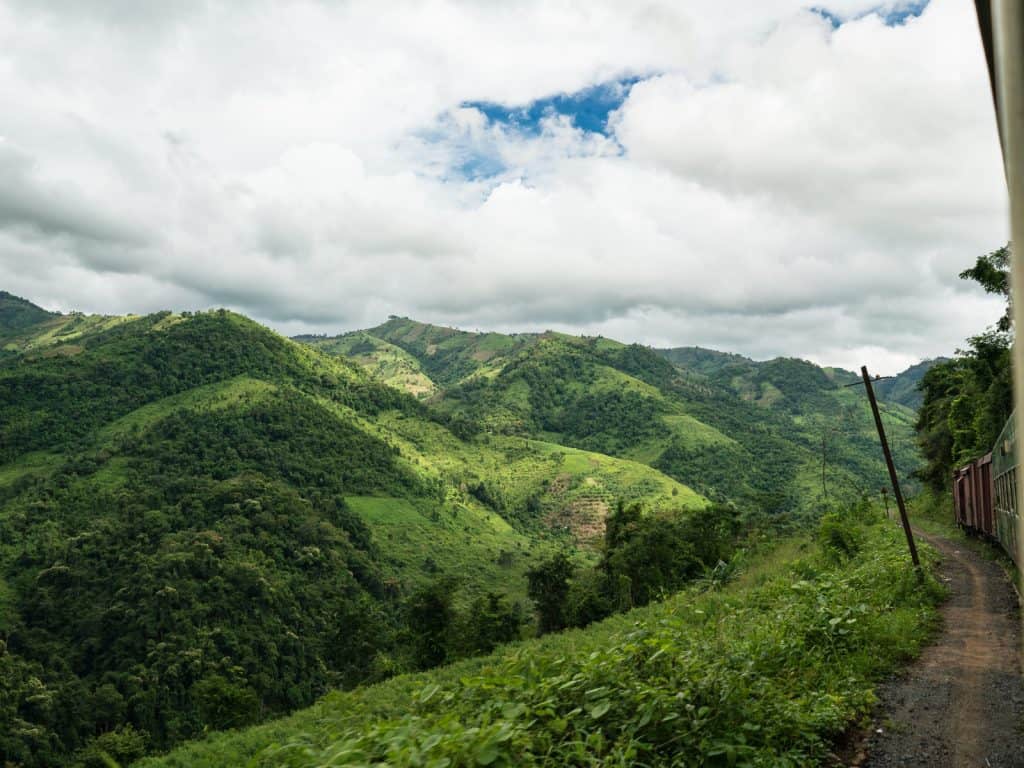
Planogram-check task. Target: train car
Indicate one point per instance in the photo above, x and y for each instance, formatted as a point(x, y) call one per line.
point(985, 493)
point(983, 517)
point(1004, 490)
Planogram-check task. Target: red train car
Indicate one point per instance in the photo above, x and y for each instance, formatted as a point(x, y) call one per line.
point(972, 497)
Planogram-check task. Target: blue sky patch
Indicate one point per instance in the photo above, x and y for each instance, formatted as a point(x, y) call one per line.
point(588, 108)
point(896, 16)
point(475, 166)
point(893, 14)
point(827, 15)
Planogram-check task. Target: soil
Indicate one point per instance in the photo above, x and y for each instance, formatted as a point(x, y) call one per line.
point(962, 702)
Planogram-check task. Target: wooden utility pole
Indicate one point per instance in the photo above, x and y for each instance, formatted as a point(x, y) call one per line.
point(885, 498)
point(824, 490)
point(892, 468)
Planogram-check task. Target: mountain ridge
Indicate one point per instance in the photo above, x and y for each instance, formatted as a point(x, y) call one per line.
point(708, 418)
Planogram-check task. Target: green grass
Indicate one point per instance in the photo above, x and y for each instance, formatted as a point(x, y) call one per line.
point(764, 671)
point(63, 329)
point(422, 542)
point(384, 361)
point(37, 463)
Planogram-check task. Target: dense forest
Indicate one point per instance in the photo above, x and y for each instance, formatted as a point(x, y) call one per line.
point(968, 399)
point(195, 530)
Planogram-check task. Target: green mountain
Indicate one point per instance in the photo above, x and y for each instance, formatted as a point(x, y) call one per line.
point(17, 313)
point(784, 435)
point(203, 524)
point(903, 388)
point(758, 380)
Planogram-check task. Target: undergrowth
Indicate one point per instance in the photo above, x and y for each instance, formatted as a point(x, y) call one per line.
point(764, 670)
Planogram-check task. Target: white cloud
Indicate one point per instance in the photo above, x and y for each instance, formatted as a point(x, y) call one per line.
point(771, 187)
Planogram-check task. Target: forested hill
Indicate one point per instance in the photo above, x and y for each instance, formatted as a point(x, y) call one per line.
point(17, 313)
point(905, 387)
point(780, 436)
point(204, 524)
point(757, 379)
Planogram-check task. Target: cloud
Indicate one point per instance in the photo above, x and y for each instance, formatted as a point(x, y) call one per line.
point(754, 178)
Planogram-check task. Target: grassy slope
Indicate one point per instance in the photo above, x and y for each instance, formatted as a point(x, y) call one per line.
point(386, 362)
point(763, 672)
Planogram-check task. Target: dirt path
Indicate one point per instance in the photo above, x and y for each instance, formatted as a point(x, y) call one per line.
point(962, 702)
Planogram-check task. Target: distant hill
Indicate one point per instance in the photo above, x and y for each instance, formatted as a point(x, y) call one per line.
point(732, 428)
point(751, 378)
point(903, 388)
point(17, 314)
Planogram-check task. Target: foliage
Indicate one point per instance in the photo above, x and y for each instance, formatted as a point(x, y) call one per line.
point(204, 525)
point(17, 314)
point(429, 616)
point(730, 428)
point(992, 272)
point(968, 399)
point(491, 620)
point(548, 587)
point(121, 746)
point(183, 555)
point(763, 672)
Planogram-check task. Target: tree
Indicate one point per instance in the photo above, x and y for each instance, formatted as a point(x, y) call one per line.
point(548, 587)
point(492, 620)
point(662, 551)
point(223, 704)
point(968, 399)
point(429, 616)
point(123, 745)
point(992, 272)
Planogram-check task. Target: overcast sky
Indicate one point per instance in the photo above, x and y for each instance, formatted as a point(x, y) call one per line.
point(761, 177)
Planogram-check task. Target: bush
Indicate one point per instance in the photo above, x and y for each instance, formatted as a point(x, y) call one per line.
point(840, 538)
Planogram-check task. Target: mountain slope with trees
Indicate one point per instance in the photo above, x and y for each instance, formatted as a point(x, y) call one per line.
point(779, 436)
point(203, 525)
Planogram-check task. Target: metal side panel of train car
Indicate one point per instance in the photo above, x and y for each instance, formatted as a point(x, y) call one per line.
point(961, 498)
point(983, 495)
point(1004, 483)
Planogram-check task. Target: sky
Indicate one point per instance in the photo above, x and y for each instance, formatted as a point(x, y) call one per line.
point(763, 177)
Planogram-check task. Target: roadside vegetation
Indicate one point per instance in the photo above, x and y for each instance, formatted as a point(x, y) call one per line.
point(762, 667)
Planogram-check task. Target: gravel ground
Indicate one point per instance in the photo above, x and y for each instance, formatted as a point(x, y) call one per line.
point(962, 702)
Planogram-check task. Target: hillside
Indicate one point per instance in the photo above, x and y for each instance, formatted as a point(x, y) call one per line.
point(379, 501)
point(17, 313)
point(784, 435)
point(904, 387)
point(766, 670)
point(204, 524)
point(754, 379)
